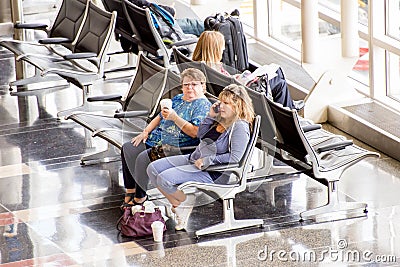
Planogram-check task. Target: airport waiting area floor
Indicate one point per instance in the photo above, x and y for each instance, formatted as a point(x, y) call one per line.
point(55, 212)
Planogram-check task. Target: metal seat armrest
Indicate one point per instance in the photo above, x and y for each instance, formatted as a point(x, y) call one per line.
point(77, 113)
point(31, 26)
point(207, 186)
point(116, 98)
point(222, 167)
point(335, 146)
point(187, 149)
point(84, 55)
point(55, 40)
point(311, 127)
point(105, 129)
point(131, 114)
point(184, 42)
point(189, 184)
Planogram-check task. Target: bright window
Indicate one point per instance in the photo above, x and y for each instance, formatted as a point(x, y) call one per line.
point(393, 76)
point(282, 22)
point(392, 18)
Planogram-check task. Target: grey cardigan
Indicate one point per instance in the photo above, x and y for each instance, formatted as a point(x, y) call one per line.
point(222, 150)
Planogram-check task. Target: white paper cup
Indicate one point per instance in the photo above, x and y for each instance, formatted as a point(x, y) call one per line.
point(159, 249)
point(158, 231)
point(166, 103)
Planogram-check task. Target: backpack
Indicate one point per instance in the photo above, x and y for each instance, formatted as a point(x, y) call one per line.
point(165, 24)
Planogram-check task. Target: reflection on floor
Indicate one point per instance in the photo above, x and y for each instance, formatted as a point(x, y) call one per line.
point(53, 211)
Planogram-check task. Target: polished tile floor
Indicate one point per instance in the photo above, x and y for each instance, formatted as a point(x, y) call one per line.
point(55, 212)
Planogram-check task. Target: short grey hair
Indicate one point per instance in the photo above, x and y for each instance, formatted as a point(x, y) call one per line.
point(193, 73)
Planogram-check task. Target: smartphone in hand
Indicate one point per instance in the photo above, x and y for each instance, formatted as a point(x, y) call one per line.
point(216, 108)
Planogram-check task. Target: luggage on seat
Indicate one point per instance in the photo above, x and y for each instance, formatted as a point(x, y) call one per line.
point(235, 55)
point(165, 24)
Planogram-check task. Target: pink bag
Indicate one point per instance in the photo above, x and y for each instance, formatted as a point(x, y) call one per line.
point(139, 223)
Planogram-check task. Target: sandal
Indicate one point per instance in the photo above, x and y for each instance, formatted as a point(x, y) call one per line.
point(124, 204)
point(137, 203)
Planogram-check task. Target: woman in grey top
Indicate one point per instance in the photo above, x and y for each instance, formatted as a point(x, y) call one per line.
point(224, 135)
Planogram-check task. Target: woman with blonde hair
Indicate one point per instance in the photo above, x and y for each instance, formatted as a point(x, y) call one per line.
point(210, 48)
point(224, 135)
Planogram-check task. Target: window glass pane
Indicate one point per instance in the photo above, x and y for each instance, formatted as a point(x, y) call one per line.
point(331, 4)
point(246, 13)
point(334, 7)
point(363, 12)
point(286, 24)
point(392, 18)
point(360, 70)
point(393, 76)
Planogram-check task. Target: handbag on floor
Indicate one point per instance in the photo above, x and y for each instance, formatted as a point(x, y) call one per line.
point(139, 223)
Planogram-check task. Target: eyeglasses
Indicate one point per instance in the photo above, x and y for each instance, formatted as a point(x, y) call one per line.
point(193, 84)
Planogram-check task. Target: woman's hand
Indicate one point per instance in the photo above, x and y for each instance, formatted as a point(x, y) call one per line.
point(213, 109)
point(168, 114)
point(142, 137)
point(199, 163)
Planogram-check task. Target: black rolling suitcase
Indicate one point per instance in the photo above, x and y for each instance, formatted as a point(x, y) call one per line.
point(235, 55)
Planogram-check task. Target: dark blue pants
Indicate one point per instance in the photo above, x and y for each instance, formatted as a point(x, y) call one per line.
point(280, 91)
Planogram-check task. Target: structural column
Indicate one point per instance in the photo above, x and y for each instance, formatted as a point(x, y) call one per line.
point(17, 16)
point(309, 31)
point(349, 28)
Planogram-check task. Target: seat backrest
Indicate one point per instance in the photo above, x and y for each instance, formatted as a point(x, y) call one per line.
point(217, 80)
point(97, 29)
point(246, 158)
point(122, 24)
point(290, 136)
point(183, 62)
point(69, 19)
point(173, 85)
point(142, 24)
point(147, 87)
point(267, 127)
